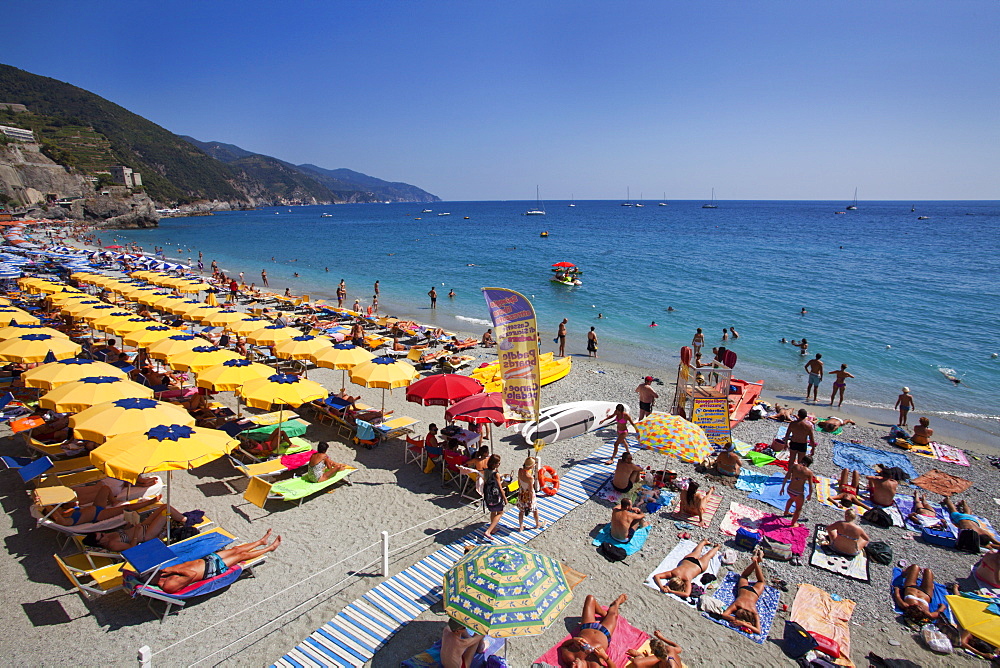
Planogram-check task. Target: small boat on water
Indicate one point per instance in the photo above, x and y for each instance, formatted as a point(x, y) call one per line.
point(544, 234)
point(663, 203)
point(922, 217)
point(854, 206)
point(712, 204)
point(327, 215)
point(566, 273)
point(539, 209)
point(628, 198)
point(446, 213)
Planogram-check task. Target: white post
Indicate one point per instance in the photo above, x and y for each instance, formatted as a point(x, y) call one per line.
point(145, 656)
point(385, 554)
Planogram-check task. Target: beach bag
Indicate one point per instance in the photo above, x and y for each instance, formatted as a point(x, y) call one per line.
point(878, 517)
point(746, 539)
point(796, 641)
point(492, 496)
point(775, 550)
point(968, 541)
point(935, 640)
point(711, 605)
point(612, 552)
point(879, 552)
point(827, 646)
point(939, 537)
point(494, 661)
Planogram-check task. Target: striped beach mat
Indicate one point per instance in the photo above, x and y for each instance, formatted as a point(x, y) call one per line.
point(361, 629)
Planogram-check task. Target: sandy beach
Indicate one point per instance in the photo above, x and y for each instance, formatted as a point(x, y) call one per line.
point(330, 554)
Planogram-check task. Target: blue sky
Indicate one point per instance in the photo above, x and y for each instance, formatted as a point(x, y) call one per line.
point(480, 100)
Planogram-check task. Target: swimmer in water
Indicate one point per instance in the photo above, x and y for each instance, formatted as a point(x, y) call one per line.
point(600, 316)
point(783, 340)
point(670, 309)
point(803, 311)
point(653, 324)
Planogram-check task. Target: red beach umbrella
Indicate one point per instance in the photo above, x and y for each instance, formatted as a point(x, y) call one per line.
point(478, 409)
point(564, 264)
point(443, 389)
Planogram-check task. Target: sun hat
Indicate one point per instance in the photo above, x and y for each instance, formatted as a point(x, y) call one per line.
point(906, 389)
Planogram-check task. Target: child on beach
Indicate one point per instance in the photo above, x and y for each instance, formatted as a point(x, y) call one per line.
point(904, 403)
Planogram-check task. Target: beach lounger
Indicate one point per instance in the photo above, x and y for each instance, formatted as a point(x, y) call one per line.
point(91, 576)
point(29, 469)
point(365, 434)
point(259, 491)
point(396, 427)
point(263, 469)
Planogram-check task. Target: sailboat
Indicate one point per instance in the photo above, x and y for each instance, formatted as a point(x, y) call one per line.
point(628, 198)
point(853, 207)
point(572, 200)
point(664, 197)
point(712, 204)
point(539, 209)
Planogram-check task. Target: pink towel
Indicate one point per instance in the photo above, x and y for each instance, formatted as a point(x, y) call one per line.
point(771, 526)
point(296, 460)
point(624, 638)
point(950, 454)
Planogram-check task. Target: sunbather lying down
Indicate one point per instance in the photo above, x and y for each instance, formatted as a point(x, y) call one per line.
point(678, 579)
point(176, 578)
point(589, 647)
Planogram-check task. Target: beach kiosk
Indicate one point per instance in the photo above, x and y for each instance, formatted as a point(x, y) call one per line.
point(702, 396)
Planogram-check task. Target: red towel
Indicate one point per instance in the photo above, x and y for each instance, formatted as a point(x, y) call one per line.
point(624, 638)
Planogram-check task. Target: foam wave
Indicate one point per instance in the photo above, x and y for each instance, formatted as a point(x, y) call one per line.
point(475, 321)
point(961, 414)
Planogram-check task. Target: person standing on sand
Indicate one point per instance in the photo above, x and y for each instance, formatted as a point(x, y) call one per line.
point(263, 277)
point(904, 403)
point(561, 337)
point(800, 436)
point(698, 341)
point(840, 384)
point(433, 294)
point(341, 293)
point(647, 395)
point(797, 477)
point(814, 368)
point(592, 343)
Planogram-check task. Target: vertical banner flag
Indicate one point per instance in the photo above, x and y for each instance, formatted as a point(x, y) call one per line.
point(517, 351)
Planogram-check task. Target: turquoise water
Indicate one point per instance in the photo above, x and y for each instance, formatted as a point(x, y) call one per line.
point(870, 278)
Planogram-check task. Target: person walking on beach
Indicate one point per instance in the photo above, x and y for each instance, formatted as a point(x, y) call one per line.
point(341, 293)
point(592, 343)
point(263, 278)
point(433, 294)
point(697, 342)
point(797, 478)
point(840, 384)
point(561, 337)
point(904, 403)
point(814, 368)
point(800, 436)
point(647, 395)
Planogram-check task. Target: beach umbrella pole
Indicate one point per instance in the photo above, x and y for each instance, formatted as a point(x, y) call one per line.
point(168, 507)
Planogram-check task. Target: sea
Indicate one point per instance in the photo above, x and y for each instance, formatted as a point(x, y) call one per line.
point(901, 301)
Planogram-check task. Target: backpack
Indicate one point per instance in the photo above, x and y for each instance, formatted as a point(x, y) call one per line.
point(612, 552)
point(879, 552)
point(878, 517)
point(968, 541)
point(492, 496)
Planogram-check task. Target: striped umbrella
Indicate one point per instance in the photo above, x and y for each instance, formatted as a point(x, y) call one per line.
point(506, 591)
point(674, 436)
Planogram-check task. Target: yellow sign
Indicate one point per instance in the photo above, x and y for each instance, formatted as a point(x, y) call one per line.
point(712, 415)
point(517, 351)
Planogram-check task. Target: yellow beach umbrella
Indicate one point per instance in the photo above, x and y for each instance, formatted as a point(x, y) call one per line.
point(12, 331)
point(342, 356)
point(138, 291)
point(143, 338)
point(182, 308)
point(674, 436)
point(302, 347)
point(189, 286)
point(123, 327)
point(247, 325)
point(201, 357)
point(174, 344)
point(32, 284)
point(383, 372)
point(231, 375)
point(80, 395)
point(68, 295)
point(166, 303)
point(52, 375)
point(150, 298)
point(272, 334)
point(281, 388)
point(10, 314)
point(29, 348)
point(79, 306)
point(974, 618)
point(223, 318)
point(111, 318)
point(200, 313)
point(95, 312)
point(163, 447)
point(124, 416)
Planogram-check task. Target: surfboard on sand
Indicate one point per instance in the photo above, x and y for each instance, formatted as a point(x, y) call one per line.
point(563, 421)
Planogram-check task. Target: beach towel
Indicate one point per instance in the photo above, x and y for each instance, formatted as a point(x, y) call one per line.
point(767, 607)
point(624, 638)
point(639, 495)
point(825, 490)
point(634, 544)
point(861, 458)
point(712, 504)
point(816, 611)
point(940, 592)
point(855, 568)
point(769, 525)
point(609, 493)
point(759, 458)
point(922, 450)
point(681, 550)
point(904, 504)
point(942, 483)
point(835, 432)
point(950, 454)
point(781, 432)
point(294, 460)
point(751, 480)
point(770, 492)
point(742, 447)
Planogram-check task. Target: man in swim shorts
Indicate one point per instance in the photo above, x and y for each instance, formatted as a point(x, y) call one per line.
point(814, 368)
point(647, 395)
point(800, 436)
point(625, 520)
point(175, 578)
point(904, 403)
point(840, 384)
point(627, 474)
point(589, 647)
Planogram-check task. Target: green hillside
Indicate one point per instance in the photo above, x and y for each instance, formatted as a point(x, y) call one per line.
point(77, 146)
point(172, 169)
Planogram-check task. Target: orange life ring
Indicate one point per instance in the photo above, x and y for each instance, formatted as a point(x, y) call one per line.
point(548, 481)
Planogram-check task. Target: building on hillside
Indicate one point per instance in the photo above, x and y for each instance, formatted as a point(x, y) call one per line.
point(20, 134)
point(125, 176)
point(13, 106)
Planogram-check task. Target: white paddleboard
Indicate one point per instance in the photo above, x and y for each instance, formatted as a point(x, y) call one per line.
point(564, 421)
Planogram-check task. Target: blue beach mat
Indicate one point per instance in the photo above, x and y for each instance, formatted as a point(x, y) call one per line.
point(767, 607)
point(861, 458)
point(750, 480)
point(631, 547)
point(905, 505)
point(770, 493)
point(939, 597)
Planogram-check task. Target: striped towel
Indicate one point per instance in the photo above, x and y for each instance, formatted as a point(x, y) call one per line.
point(712, 504)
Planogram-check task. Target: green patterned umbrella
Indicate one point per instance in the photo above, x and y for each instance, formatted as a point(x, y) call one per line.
point(506, 591)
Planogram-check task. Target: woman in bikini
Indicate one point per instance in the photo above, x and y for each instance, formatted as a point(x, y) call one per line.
point(848, 495)
point(743, 612)
point(664, 653)
point(985, 570)
point(74, 514)
point(621, 420)
point(678, 579)
point(692, 503)
point(923, 513)
point(845, 537)
point(922, 432)
point(913, 599)
point(589, 647)
point(130, 536)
